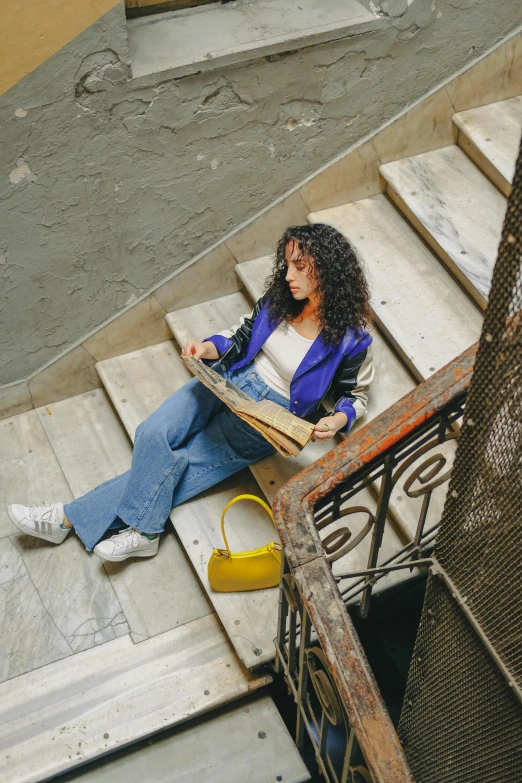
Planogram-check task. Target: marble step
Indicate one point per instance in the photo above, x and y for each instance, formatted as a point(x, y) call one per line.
point(208, 318)
point(249, 743)
point(455, 208)
point(426, 316)
point(92, 447)
point(253, 275)
point(271, 474)
point(61, 716)
point(138, 382)
point(490, 135)
point(88, 439)
point(57, 601)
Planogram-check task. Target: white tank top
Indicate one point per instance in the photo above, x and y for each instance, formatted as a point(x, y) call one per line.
point(280, 357)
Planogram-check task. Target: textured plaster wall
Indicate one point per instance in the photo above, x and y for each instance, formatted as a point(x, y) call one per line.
point(108, 184)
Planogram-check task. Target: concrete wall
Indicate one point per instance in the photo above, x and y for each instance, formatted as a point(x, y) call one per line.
point(107, 184)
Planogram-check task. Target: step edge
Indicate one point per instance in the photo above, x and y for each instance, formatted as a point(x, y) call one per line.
point(483, 162)
point(251, 682)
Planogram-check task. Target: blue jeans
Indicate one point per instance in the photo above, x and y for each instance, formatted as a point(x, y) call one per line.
point(190, 443)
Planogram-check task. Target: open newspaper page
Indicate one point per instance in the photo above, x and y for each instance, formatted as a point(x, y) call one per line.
point(287, 433)
point(275, 416)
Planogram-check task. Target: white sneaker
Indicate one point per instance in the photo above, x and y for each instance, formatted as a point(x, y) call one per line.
point(43, 521)
point(128, 543)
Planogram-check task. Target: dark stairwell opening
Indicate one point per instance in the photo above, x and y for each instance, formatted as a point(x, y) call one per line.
point(388, 637)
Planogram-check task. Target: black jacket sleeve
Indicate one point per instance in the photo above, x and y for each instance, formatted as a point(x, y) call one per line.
point(232, 343)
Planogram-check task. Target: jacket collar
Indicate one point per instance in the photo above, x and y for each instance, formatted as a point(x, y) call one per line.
point(317, 352)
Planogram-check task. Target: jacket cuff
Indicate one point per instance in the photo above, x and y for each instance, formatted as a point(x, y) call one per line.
point(222, 343)
point(345, 406)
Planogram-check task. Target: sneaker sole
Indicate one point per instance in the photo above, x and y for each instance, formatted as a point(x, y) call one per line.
point(116, 559)
point(33, 533)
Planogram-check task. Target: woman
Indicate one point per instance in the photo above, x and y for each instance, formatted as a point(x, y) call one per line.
point(304, 336)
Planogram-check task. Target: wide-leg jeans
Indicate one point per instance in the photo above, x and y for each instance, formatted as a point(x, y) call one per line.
point(191, 442)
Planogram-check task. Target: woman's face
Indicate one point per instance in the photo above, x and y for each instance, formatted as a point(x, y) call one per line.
point(299, 272)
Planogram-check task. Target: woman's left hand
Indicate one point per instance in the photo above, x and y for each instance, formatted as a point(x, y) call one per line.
point(327, 427)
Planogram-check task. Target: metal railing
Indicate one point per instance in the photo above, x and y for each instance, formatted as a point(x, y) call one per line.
point(338, 701)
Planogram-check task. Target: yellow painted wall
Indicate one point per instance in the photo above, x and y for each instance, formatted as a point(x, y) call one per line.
point(33, 30)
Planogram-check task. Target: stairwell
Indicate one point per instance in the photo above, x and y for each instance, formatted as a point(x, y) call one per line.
point(116, 653)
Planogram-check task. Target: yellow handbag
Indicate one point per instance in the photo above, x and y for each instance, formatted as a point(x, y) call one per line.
point(235, 571)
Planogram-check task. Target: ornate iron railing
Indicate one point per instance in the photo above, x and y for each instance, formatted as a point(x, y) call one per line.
point(332, 559)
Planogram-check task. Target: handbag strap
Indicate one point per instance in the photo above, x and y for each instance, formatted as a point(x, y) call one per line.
point(235, 500)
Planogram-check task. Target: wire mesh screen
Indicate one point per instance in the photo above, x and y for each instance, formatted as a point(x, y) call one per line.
point(460, 720)
point(462, 716)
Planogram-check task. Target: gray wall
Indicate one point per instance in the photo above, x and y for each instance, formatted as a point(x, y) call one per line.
point(107, 185)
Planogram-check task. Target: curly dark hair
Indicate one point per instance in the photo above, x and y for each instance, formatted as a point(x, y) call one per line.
point(340, 277)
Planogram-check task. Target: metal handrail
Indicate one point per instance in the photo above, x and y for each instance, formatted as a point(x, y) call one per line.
point(316, 591)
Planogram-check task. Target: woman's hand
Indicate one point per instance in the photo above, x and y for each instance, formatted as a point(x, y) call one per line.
point(326, 428)
point(206, 350)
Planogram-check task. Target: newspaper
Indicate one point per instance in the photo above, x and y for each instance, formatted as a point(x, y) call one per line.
point(287, 433)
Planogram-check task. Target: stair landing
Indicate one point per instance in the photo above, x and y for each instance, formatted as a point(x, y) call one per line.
point(65, 714)
point(248, 743)
point(89, 649)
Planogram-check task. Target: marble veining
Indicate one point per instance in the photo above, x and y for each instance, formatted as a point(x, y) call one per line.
point(98, 630)
point(457, 208)
point(29, 637)
point(11, 564)
point(74, 591)
point(56, 600)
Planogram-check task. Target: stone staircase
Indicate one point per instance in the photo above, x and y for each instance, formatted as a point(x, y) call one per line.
point(150, 644)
